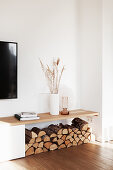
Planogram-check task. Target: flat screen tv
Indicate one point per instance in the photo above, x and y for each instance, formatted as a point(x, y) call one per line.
point(8, 70)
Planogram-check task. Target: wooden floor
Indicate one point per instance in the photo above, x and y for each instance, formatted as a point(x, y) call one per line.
point(83, 157)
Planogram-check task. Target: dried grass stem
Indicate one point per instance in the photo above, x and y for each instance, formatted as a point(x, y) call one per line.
point(53, 75)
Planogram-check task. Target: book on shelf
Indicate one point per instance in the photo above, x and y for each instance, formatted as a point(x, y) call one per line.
point(18, 116)
point(28, 114)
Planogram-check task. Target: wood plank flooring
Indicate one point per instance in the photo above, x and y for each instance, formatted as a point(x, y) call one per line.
point(83, 157)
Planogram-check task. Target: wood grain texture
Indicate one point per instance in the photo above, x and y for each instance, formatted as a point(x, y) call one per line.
point(46, 117)
point(83, 157)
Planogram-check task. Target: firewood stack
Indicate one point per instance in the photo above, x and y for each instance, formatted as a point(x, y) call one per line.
point(56, 137)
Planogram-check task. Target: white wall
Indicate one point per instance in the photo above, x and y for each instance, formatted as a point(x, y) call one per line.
point(91, 57)
point(96, 53)
point(45, 29)
point(72, 30)
point(107, 70)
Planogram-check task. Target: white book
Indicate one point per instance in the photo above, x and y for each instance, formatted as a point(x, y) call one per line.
point(18, 116)
point(28, 114)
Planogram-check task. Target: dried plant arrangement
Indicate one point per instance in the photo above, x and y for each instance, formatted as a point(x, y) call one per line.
point(53, 75)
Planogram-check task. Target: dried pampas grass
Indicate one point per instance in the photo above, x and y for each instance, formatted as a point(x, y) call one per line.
point(53, 75)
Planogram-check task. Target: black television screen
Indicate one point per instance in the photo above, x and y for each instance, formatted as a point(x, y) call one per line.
point(8, 70)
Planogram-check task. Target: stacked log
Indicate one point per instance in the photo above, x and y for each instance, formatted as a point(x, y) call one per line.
point(56, 137)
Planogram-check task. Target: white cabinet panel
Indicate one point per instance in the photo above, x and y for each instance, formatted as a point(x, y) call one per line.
point(12, 142)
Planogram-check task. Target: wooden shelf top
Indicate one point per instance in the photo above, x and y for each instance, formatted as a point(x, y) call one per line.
point(46, 117)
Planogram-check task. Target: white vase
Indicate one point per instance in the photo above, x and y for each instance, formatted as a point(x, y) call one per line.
point(54, 104)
